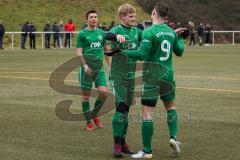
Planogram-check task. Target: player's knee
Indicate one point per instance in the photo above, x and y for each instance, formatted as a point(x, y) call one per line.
point(169, 105)
point(149, 103)
point(85, 99)
point(122, 108)
point(148, 116)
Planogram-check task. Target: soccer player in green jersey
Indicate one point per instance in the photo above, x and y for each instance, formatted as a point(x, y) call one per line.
point(156, 49)
point(90, 44)
point(122, 76)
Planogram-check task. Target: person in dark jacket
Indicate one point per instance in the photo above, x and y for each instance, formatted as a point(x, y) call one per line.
point(25, 30)
point(200, 31)
point(55, 29)
point(208, 30)
point(47, 28)
point(32, 35)
point(2, 32)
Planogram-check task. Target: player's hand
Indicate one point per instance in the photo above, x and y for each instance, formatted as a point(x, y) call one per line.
point(182, 32)
point(179, 31)
point(120, 38)
point(87, 70)
point(112, 48)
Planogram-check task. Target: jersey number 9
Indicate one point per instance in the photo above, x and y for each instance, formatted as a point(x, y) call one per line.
point(166, 48)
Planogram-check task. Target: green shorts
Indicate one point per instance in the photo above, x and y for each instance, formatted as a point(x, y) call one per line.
point(99, 78)
point(152, 89)
point(123, 90)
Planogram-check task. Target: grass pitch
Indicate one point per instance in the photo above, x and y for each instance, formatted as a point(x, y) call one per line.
point(208, 102)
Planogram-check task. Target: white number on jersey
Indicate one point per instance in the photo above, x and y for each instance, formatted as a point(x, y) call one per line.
point(166, 48)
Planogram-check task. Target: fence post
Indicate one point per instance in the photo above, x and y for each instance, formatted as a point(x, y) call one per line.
point(42, 40)
point(233, 36)
point(12, 40)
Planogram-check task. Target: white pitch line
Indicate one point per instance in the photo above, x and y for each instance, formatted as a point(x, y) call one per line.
point(209, 89)
point(218, 78)
point(184, 76)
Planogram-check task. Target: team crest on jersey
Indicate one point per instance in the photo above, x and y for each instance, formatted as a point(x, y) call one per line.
point(132, 45)
point(100, 38)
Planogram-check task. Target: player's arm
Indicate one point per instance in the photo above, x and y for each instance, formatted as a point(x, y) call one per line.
point(79, 52)
point(82, 61)
point(115, 37)
point(143, 51)
point(178, 47)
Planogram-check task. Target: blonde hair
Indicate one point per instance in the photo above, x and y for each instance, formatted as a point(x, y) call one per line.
point(126, 8)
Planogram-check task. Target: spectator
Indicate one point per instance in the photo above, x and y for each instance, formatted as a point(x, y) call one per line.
point(200, 31)
point(2, 32)
point(55, 29)
point(208, 30)
point(192, 35)
point(25, 30)
point(32, 35)
point(61, 29)
point(69, 27)
point(47, 28)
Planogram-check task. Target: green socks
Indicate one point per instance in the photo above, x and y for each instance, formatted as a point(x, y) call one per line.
point(117, 124)
point(147, 129)
point(98, 105)
point(147, 133)
point(125, 126)
point(172, 121)
point(86, 111)
point(119, 127)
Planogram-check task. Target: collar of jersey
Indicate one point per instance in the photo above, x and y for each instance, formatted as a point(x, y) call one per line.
point(125, 26)
point(160, 24)
point(90, 30)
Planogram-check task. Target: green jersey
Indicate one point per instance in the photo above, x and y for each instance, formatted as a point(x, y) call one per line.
point(123, 67)
point(92, 42)
point(158, 43)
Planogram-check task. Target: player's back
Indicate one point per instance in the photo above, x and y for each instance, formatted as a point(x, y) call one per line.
point(159, 59)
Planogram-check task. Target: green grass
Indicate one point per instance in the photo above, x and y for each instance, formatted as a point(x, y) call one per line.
point(209, 119)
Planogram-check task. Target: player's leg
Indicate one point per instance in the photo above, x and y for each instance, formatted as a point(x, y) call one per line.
point(172, 118)
point(147, 129)
point(86, 85)
point(101, 84)
point(86, 109)
point(149, 98)
point(130, 84)
point(120, 92)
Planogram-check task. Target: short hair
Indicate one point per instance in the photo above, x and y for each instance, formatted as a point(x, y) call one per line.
point(126, 8)
point(162, 9)
point(89, 12)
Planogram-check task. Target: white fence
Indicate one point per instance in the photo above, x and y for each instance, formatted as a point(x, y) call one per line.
point(213, 34)
point(233, 35)
point(12, 34)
